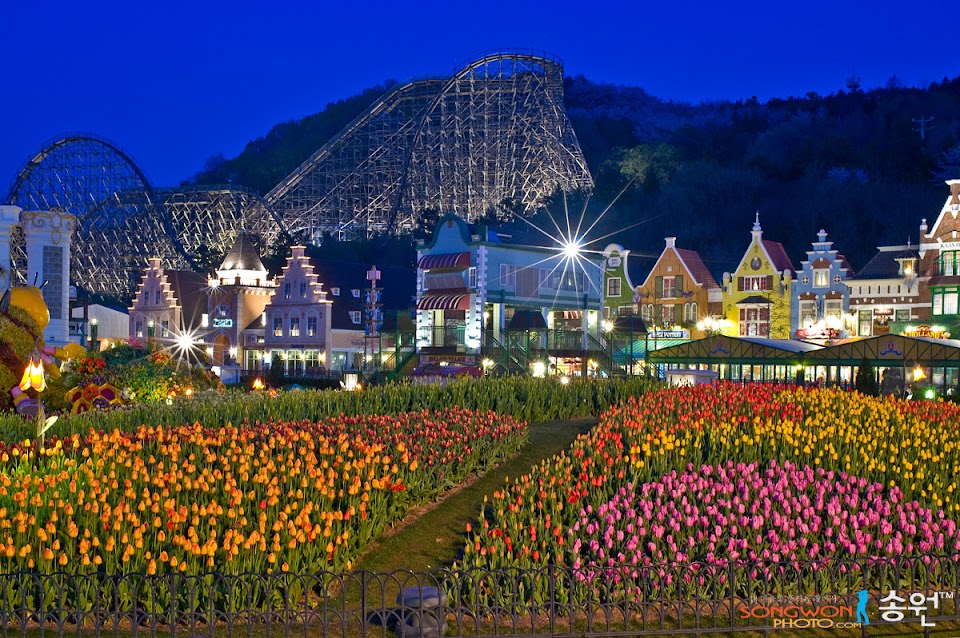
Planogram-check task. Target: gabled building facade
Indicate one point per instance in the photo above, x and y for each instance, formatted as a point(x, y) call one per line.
point(169, 305)
point(821, 301)
point(297, 318)
point(619, 295)
point(757, 295)
point(678, 292)
point(238, 296)
point(939, 252)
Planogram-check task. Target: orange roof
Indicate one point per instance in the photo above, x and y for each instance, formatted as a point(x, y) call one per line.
point(698, 270)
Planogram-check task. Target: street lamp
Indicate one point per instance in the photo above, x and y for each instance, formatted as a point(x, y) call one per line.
point(94, 331)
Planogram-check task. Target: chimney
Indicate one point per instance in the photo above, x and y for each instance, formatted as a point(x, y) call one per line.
point(671, 242)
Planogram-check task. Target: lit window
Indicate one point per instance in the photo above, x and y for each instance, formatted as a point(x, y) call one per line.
point(204, 320)
point(303, 290)
point(139, 329)
point(355, 316)
point(165, 329)
point(286, 291)
point(294, 326)
point(335, 292)
point(832, 308)
point(311, 326)
point(669, 288)
point(278, 326)
point(668, 315)
point(613, 287)
point(821, 278)
point(755, 321)
point(356, 293)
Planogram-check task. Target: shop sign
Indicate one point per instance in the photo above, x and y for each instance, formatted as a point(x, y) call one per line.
point(222, 323)
point(613, 262)
point(931, 332)
point(670, 334)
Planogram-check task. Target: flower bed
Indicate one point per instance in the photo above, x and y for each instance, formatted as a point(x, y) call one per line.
point(902, 457)
point(298, 496)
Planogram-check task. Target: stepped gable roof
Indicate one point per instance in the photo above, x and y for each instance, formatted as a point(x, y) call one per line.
point(190, 290)
point(243, 255)
point(697, 268)
point(884, 264)
point(778, 255)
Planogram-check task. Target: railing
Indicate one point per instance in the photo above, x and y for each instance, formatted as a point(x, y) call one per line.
point(442, 337)
point(657, 600)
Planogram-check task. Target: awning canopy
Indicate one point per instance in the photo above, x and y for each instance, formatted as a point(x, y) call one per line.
point(448, 260)
point(755, 300)
point(444, 302)
point(638, 349)
point(527, 320)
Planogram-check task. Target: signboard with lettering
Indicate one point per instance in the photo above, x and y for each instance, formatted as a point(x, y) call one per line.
point(932, 332)
point(613, 262)
point(222, 323)
point(949, 245)
point(670, 334)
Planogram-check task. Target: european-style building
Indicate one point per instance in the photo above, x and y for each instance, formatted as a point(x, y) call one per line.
point(757, 295)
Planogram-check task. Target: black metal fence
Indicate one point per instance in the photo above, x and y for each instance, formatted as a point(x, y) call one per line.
point(692, 599)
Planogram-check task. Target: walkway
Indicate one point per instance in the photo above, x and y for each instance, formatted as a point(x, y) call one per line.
point(433, 536)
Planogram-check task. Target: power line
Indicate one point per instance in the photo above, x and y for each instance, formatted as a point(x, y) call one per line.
point(924, 123)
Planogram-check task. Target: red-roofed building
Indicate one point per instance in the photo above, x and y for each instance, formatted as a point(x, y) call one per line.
point(678, 292)
point(757, 296)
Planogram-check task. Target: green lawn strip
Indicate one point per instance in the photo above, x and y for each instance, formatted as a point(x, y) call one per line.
point(437, 536)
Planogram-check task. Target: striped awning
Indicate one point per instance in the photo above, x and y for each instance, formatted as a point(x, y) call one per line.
point(444, 302)
point(449, 260)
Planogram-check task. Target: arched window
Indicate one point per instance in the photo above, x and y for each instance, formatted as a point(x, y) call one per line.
point(693, 312)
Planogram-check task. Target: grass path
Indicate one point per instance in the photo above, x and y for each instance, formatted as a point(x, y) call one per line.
point(436, 535)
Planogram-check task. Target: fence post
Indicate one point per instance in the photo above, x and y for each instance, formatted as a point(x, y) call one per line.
point(363, 604)
point(730, 574)
point(552, 596)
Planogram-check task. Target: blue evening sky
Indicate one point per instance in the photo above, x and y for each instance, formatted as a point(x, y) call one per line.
point(174, 82)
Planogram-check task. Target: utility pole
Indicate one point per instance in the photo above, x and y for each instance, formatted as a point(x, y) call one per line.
point(924, 124)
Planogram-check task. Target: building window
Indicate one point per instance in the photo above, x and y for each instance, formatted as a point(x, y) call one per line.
point(303, 290)
point(508, 275)
point(472, 277)
point(903, 315)
point(808, 313)
point(836, 279)
point(286, 290)
point(335, 292)
point(668, 315)
point(669, 288)
point(356, 293)
point(294, 326)
point(311, 326)
point(693, 313)
point(755, 321)
point(755, 283)
point(949, 264)
point(355, 316)
point(139, 328)
point(223, 311)
point(613, 287)
point(821, 277)
point(832, 308)
point(950, 302)
point(204, 320)
point(866, 323)
point(165, 329)
point(278, 326)
point(156, 297)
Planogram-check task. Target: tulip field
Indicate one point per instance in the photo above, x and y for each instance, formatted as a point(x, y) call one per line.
point(273, 497)
point(784, 479)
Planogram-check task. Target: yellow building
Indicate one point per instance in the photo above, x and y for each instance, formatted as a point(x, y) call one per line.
point(756, 297)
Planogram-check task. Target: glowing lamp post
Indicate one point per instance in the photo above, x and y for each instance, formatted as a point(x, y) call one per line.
point(35, 378)
point(94, 333)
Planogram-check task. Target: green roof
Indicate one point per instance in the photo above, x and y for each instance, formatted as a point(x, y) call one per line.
point(640, 348)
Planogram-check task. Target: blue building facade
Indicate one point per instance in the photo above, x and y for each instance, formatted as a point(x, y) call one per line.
point(821, 301)
point(484, 301)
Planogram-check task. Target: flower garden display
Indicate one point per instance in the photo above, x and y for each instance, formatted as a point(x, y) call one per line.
point(716, 475)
